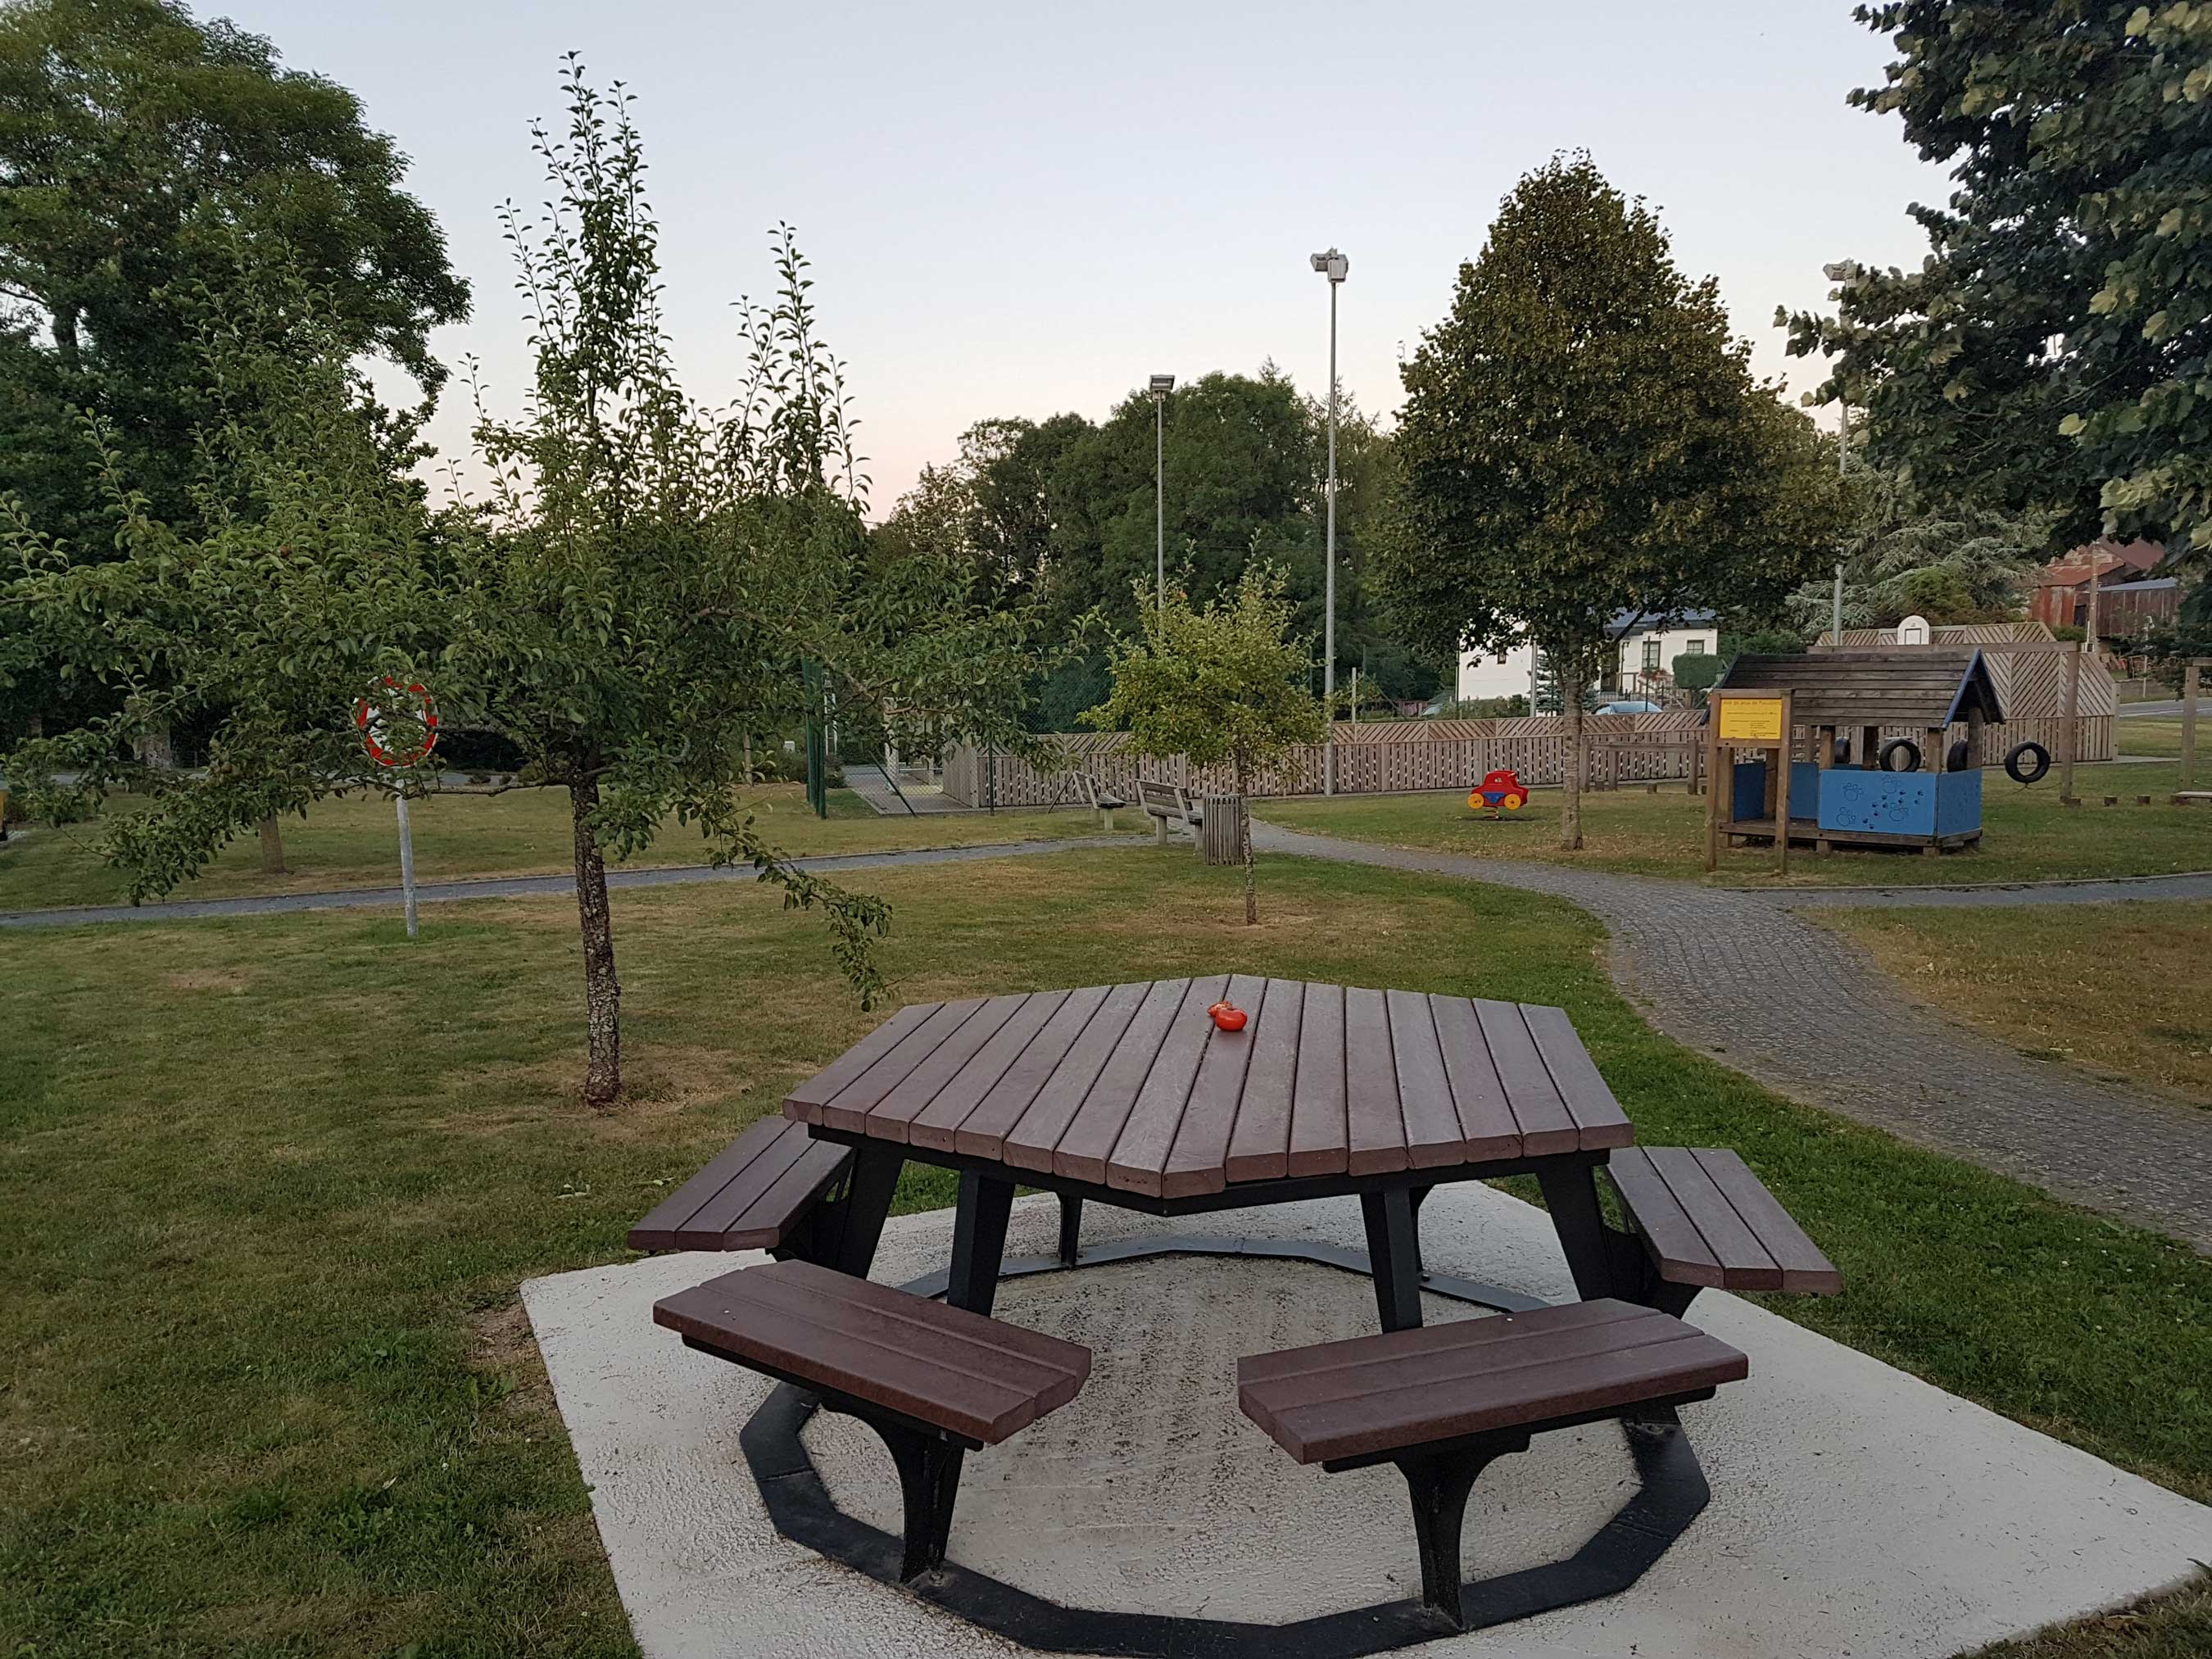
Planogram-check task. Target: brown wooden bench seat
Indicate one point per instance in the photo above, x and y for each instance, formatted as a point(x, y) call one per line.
point(1441, 1401)
point(764, 1191)
point(934, 1381)
point(1703, 1220)
point(1101, 800)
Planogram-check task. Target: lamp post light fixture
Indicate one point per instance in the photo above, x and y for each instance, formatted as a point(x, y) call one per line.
point(1335, 266)
point(1161, 385)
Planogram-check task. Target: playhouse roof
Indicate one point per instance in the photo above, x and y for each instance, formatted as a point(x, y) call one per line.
point(1918, 685)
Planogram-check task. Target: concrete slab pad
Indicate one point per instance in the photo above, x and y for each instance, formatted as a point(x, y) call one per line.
point(1856, 1510)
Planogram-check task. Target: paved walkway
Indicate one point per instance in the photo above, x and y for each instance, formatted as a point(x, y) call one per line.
point(1802, 1010)
point(910, 799)
point(521, 886)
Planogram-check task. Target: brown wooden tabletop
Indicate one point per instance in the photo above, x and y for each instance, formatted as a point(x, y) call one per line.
point(1132, 1087)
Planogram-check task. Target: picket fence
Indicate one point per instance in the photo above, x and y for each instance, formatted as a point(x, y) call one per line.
point(1399, 757)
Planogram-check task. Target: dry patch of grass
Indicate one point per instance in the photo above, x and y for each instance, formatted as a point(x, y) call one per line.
point(2178, 1625)
point(2120, 990)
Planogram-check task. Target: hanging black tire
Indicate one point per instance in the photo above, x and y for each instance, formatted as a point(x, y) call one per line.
point(1954, 758)
point(2028, 763)
point(1904, 746)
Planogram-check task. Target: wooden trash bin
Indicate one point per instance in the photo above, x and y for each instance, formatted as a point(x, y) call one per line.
point(1221, 835)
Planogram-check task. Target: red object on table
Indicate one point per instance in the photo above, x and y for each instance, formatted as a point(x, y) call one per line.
point(1228, 1017)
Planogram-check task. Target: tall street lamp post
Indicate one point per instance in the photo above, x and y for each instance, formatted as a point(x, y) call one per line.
point(1161, 385)
point(1335, 266)
point(1841, 271)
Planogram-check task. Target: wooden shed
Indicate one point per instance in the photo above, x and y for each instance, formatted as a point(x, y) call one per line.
point(1841, 703)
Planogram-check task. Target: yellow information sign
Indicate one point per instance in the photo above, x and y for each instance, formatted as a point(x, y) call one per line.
point(1751, 719)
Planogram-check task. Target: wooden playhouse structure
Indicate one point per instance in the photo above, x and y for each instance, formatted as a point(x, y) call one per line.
point(1827, 721)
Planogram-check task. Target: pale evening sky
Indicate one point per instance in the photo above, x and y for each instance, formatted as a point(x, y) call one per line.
point(1018, 208)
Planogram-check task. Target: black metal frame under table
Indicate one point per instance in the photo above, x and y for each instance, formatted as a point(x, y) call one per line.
point(1673, 1488)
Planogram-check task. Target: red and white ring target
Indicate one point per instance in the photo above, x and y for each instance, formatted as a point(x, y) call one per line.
point(398, 723)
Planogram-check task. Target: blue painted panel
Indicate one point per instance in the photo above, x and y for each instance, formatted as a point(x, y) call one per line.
point(1750, 796)
point(1959, 802)
point(1893, 803)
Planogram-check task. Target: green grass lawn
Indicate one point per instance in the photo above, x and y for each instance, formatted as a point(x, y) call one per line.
point(2027, 835)
point(2120, 990)
point(2162, 736)
point(270, 1185)
point(354, 841)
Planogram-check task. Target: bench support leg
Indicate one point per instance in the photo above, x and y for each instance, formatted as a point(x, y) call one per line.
point(1070, 1228)
point(876, 1168)
point(1439, 1484)
point(979, 1241)
point(1394, 1256)
point(929, 1482)
point(1570, 1194)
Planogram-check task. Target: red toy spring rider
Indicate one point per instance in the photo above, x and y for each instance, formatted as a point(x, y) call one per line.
point(1501, 788)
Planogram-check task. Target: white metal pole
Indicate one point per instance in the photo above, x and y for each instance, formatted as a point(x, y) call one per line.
point(1329, 624)
point(1843, 449)
point(406, 862)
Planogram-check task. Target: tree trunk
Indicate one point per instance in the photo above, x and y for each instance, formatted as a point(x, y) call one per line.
point(272, 847)
point(1244, 844)
point(155, 749)
point(1569, 670)
point(602, 991)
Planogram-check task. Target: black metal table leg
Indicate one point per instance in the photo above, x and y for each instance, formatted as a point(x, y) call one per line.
point(978, 1241)
point(1570, 1194)
point(1394, 1254)
point(876, 1168)
point(1070, 1228)
point(1421, 1195)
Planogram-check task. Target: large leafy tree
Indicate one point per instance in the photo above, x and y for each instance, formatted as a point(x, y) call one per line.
point(650, 586)
point(1582, 440)
point(2053, 350)
point(1902, 556)
point(141, 151)
point(1224, 680)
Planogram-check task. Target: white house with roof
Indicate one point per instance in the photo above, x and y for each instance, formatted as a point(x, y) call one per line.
point(1650, 645)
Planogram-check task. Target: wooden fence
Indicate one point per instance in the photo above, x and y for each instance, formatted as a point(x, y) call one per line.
point(1395, 757)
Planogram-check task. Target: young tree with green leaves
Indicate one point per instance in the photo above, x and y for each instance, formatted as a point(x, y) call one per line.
point(1582, 440)
point(651, 585)
point(1223, 681)
point(2051, 353)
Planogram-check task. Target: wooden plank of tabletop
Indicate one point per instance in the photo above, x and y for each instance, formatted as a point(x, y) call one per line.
point(1546, 1127)
point(1138, 1160)
point(894, 1115)
point(982, 1132)
point(1089, 1140)
point(1598, 1118)
point(1028, 1144)
point(1259, 1145)
point(1198, 1161)
point(848, 1109)
point(1424, 1095)
point(804, 1102)
point(1319, 1143)
point(1374, 1123)
point(1486, 1118)
point(939, 1127)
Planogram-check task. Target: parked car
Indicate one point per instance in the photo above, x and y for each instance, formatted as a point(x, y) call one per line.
point(1633, 705)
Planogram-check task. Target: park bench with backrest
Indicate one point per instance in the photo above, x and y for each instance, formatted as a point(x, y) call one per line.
point(1702, 1220)
point(1443, 1401)
point(934, 1381)
point(1101, 800)
point(1171, 804)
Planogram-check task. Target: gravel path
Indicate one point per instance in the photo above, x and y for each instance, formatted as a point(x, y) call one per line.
point(1803, 1010)
point(520, 886)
